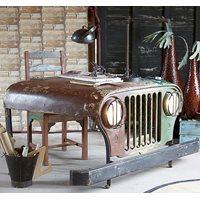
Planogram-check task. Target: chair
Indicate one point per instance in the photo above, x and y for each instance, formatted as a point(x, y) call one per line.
point(48, 120)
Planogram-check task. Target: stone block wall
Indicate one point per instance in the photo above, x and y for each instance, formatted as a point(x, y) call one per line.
point(32, 29)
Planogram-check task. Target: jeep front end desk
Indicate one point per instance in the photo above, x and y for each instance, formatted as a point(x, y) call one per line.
point(136, 119)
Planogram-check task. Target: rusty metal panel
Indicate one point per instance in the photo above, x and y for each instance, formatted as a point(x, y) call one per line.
point(51, 95)
point(58, 95)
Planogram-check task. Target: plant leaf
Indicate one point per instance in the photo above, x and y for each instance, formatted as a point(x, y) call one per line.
point(162, 38)
point(168, 42)
point(194, 46)
point(196, 51)
point(169, 26)
point(193, 55)
point(151, 37)
point(183, 61)
point(185, 57)
point(161, 44)
point(165, 40)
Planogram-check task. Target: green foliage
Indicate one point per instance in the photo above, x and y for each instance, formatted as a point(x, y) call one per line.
point(196, 51)
point(185, 57)
point(151, 37)
point(165, 41)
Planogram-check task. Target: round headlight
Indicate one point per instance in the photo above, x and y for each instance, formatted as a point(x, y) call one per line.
point(172, 103)
point(112, 113)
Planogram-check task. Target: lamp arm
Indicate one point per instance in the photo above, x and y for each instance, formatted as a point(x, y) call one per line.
point(98, 35)
point(96, 17)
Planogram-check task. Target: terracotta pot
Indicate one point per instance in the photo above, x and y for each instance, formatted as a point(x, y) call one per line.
point(192, 94)
point(169, 71)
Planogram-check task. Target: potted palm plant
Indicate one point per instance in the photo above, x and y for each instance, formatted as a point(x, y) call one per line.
point(170, 69)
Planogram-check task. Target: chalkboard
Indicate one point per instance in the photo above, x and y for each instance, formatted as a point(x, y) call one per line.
point(145, 59)
point(113, 43)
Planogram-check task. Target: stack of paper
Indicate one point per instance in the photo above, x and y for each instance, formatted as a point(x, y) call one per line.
point(86, 79)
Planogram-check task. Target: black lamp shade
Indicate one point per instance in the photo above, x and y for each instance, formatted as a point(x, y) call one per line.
point(84, 35)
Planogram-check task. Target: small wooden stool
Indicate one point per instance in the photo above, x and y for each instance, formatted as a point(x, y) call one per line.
point(47, 121)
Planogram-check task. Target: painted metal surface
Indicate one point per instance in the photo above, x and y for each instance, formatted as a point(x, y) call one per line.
point(189, 130)
point(59, 96)
point(45, 68)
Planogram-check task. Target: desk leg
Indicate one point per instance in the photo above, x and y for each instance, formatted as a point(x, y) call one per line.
point(8, 116)
point(64, 135)
point(85, 139)
point(29, 129)
point(45, 132)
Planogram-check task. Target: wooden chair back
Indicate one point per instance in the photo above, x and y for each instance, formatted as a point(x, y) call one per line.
point(40, 55)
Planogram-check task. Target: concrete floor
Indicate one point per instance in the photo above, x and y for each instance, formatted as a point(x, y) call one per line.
point(62, 162)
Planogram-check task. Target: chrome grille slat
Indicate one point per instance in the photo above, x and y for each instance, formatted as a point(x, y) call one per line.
point(155, 108)
point(134, 123)
point(159, 114)
point(143, 123)
point(140, 131)
point(137, 121)
point(129, 127)
point(156, 118)
point(145, 133)
point(151, 121)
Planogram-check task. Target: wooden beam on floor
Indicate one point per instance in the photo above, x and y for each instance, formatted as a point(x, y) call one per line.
point(133, 164)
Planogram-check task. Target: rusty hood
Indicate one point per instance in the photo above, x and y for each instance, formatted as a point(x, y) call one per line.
point(57, 95)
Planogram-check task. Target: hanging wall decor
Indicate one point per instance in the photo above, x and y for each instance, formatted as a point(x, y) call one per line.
point(192, 93)
point(170, 69)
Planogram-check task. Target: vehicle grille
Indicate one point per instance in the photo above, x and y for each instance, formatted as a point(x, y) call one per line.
point(143, 119)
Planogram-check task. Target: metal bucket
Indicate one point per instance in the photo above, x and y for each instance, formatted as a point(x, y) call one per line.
point(21, 170)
